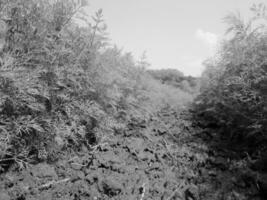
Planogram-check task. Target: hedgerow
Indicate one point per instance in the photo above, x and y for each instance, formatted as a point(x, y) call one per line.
point(62, 85)
point(233, 95)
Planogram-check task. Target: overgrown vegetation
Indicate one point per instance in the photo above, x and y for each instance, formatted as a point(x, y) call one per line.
point(176, 79)
point(105, 127)
point(62, 85)
point(233, 94)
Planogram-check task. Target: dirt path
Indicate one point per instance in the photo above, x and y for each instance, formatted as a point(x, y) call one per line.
point(166, 159)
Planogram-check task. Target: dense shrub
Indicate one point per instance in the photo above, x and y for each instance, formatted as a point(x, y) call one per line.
point(233, 93)
point(61, 84)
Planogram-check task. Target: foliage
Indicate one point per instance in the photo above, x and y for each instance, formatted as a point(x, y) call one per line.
point(233, 94)
point(176, 78)
point(62, 85)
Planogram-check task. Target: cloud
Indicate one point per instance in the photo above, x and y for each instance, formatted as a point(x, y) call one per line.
point(209, 38)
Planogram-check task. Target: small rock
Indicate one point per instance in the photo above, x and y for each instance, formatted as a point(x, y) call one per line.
point(92, 177)
point(162, 130)
point(76, 166)
point(79, 175)
point(59, 140)
point(110, 187)
point(44, 171)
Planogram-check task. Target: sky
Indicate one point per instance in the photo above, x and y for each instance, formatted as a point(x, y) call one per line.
point(177, 34)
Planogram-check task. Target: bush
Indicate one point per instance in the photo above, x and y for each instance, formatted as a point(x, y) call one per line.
point(233, 93)
point(62, 86)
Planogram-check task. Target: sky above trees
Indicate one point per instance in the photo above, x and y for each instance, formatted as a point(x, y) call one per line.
point(177, 34)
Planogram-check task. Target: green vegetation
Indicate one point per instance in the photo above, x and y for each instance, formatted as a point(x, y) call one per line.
point(233, 94)
point(62, 86)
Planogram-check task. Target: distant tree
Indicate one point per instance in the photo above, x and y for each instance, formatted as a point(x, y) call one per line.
point(142, 62)
point(175, 78)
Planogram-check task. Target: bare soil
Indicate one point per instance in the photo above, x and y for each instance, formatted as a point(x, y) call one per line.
point(166, 158)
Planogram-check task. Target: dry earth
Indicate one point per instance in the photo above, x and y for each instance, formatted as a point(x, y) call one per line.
point(166, 158)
